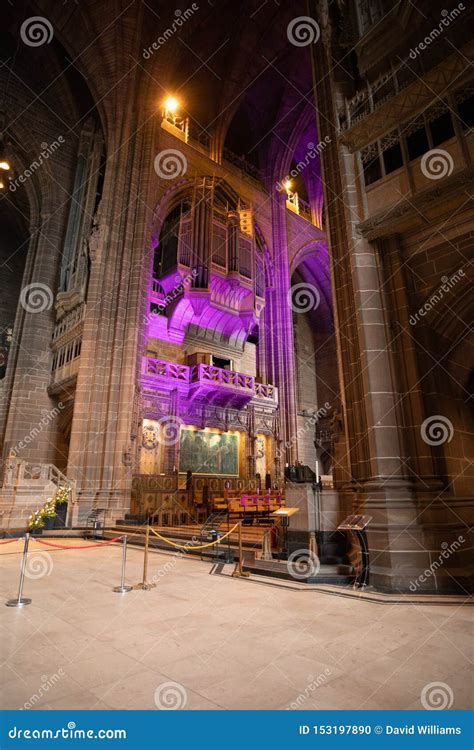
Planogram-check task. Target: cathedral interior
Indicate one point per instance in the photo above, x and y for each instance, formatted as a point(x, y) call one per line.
point(235, 255)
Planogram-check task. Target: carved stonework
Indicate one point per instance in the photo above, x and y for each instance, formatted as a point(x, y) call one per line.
point(97, 238)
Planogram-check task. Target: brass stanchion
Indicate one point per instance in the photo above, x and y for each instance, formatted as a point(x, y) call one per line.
point(20, 601)
point(266, 546)
point(145, 585)
point(239, 568)
point(123, 589)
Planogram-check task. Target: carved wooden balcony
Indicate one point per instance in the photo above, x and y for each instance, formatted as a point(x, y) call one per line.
point(207, 384)
point(215, 385)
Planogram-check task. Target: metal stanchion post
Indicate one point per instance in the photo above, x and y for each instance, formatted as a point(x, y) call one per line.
point(20, 601)
point(123, 589)
point(144, 585)
point(239, 568)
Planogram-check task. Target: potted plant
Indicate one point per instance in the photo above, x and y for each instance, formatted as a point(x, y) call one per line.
point(44, 517)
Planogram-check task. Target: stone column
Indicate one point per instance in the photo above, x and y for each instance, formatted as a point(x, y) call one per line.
point(377, 477)
point(28, 418)
point(109, 368)
point(281, 333)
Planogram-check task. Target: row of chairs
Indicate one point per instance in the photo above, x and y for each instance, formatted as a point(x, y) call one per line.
point(250, 503)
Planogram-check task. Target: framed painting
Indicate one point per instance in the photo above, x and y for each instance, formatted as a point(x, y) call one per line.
point(205, 452)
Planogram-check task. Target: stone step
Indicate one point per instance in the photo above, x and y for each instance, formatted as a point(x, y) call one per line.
point(340, 574)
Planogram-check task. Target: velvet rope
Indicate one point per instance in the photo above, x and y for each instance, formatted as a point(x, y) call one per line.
point(9, 541)
point(78, 546)
point(191, 547)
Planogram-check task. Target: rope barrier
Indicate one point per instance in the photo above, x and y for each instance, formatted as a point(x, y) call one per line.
point(78, 546)
point(199, 546)
point(141, 532)
point(10, 541)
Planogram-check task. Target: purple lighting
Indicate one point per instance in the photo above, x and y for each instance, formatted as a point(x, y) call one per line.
point(226, 310)
point(206, 383)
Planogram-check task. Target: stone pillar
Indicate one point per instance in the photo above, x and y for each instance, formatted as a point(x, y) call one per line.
point(109, 368)
point(281, 333)
point(376, 474)
point(28, 414)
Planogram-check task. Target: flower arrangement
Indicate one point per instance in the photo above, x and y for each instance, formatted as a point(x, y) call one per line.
point(37, 519)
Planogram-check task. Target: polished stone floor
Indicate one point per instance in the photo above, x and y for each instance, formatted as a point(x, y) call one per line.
point(204, 640)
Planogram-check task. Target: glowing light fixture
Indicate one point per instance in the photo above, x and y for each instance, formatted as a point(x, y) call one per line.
point(288, 185)
point(171, 117)
point(171, 104)
point(2, 185)
point(4, 163)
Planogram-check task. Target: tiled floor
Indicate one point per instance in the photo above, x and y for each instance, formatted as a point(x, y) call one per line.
point(203, 640)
